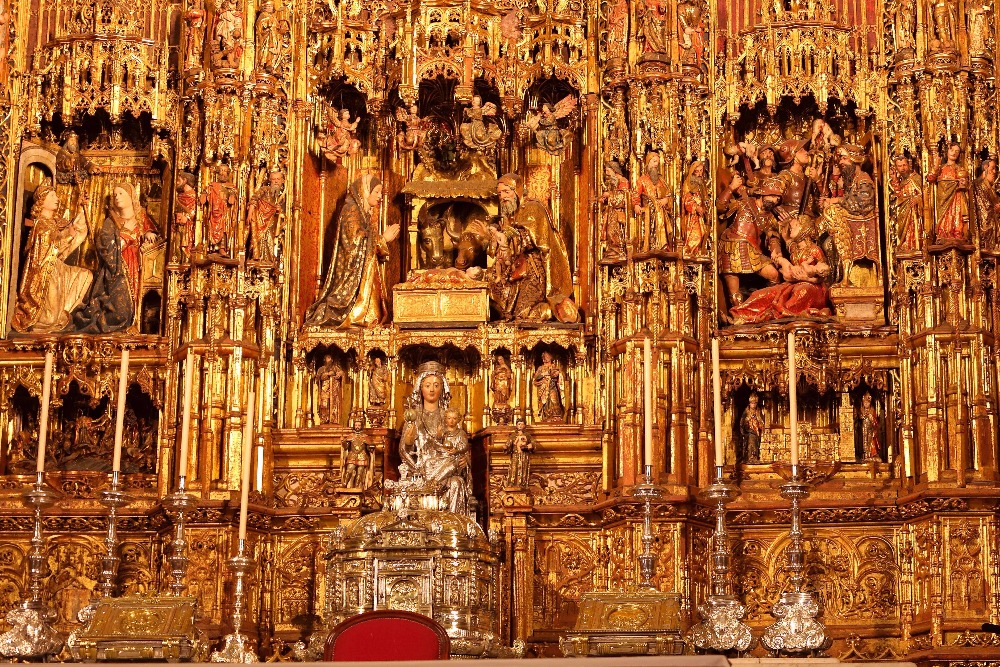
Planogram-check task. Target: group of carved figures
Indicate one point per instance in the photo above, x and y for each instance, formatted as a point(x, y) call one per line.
point(530, 279)
point(869, 442)
point(654, 33)
point(819, 209)
point(225, 38)
point(640, 220)
point(58, 292)
point(961, 206)
point(219, 202)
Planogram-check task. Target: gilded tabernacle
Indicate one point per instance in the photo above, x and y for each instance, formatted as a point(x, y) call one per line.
point(556, 327)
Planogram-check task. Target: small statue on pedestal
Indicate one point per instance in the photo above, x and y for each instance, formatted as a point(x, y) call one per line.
point(520, 445)
point(330, 391)
point(356, 457)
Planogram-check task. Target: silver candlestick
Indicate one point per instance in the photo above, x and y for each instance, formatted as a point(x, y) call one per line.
point(237, 648)
point(181, 502)
point(722, 628)
point(31, 634)
point(112, 498)
point(647, 560)
point(796, 630)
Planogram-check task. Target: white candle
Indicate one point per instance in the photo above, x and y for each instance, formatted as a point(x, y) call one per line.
point(116, 464)
point(186, 413)
point(793, 400)
point(43, 418)
point(247, 454)
point(647, 401)
point(720, 455)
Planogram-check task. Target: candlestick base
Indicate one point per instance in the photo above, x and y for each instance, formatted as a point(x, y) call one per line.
point(647, 491)
point(722, 628)
point(796, 632)
point(114, 499)
point(31, 634)
point(237, 648)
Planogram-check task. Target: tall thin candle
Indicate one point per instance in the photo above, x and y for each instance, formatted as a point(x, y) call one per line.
point(720, 454)
point(247, 454)
point(793, 401)
point(647, 401)
point(43, 418)
point(186, 413)
point(116, 464)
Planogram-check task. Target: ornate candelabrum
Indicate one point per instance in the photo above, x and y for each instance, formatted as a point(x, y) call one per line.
point(237, 647)
point(647, 561)
point(796, 630)
point(31, 634)
point(722, 628)
point(181, 502)
point(112, 498)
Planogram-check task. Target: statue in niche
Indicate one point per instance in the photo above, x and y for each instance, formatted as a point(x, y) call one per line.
point(227, 35)
point(434, 448)
point(116, 292)
point(740, 251)
point(539, 262)
point(502, 386)
point(378, 383)
point(329, 390)
point(549, 136)
point(981, 42)
point(615, 198)
point(943, 23)
point(653, 30)
point(52, 286)
point(694, 195)
point(987, 203)
point(267, 39)
point(411, 138)
point(356, 457)
point(652, 208)
point(520, 446)
point(904, 27)
point(195, 35)
point(618, 30)
point(220, 203)
point(691, 34)
point(548, 383)
point(950, 181)
point(908, 197)
point(852, 220)
point(265, 215)
point(867, 432)
point(477, 132)
point(353, 293)
point(339, 139)
point(803, 291)
point(751, 429)
point(185, 210)
point(72, 168)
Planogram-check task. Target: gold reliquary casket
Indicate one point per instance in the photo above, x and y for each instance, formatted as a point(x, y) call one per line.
point(641, 622)
point(417, 558)
point(440, 297)
point(137, 627)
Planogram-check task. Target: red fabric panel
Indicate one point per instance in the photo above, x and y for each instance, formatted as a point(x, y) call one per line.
point(387, 639)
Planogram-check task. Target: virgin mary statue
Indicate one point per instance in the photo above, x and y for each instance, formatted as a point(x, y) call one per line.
point(353, 292)
point(434, 447)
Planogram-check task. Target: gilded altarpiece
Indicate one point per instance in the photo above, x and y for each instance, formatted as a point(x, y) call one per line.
point(305, 201)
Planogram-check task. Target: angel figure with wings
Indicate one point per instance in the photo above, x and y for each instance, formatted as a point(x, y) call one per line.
point(477, 133)
point(545, 124)
point(410, 138)
point(339, 139)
